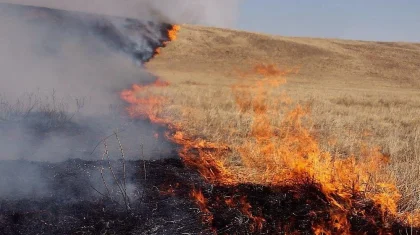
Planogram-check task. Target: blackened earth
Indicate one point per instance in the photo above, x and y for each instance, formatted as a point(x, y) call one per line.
point(76, 204)
point(75, 201)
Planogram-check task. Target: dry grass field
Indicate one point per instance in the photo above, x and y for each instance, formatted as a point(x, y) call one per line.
point(358, 93)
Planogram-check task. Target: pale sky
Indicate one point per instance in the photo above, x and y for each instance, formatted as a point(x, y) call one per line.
point(378, 20)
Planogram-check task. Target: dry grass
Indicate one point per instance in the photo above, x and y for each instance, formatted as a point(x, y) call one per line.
point(358, 92)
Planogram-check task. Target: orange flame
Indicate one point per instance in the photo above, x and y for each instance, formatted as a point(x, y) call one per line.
point(201, 202)
point(258, 221)
point(290, 153)
point(157, 51)
point(282, 154)
point(204, 162)
point(172, 33)
point(143, 105)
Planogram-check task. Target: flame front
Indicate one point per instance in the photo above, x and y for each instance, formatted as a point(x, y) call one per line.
point(172, 33)
point(286, 153)
point(171, 36)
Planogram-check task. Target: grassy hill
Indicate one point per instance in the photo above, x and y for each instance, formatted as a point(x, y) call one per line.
point(323, 61)
point(360, 93)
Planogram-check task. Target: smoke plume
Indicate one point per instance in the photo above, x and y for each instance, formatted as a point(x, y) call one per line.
point(61, 74)
point(62, 71)
point(220, 13)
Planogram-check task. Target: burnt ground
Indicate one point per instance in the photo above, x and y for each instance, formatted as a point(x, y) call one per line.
point(71, 205)
point(75, 201)
point(294, 209)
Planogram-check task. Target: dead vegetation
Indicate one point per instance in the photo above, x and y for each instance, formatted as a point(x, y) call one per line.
point(39, 113)
point(358, 93)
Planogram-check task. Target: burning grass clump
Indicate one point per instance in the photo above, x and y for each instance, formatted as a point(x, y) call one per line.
point(278, 151)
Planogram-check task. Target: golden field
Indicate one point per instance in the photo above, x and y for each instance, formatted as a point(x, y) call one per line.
point(355, 94)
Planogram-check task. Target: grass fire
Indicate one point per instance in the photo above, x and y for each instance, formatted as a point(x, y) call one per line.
point(277, 158)
point(202, 130)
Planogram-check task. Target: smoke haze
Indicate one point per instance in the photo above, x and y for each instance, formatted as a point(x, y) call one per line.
point(220, 13)
point(61, 79)
point(61, 74)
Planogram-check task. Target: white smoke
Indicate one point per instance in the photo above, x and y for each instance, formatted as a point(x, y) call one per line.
point(59, 92)
point(50, 60)
point(219, 13)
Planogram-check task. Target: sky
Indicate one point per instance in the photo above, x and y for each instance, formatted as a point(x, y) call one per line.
point(377, 20)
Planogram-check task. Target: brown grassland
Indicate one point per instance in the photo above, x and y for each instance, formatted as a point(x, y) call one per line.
point(358, 93)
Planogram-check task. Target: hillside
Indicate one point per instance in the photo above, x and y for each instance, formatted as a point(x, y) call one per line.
point(359, 93)
point(211, 51)
point(222, 132)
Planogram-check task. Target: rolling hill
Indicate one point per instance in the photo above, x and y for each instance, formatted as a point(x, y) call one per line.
point(359, 93)
point(333, 62)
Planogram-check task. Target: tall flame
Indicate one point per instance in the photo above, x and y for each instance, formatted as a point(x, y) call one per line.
point(274, 155)
point(171, 36)
point(172, 33)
